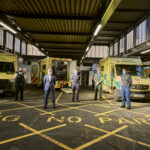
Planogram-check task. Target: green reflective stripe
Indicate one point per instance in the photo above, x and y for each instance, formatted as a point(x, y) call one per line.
point(117, 85)
point(107, 82)
point(112, 79)
point(105, 76)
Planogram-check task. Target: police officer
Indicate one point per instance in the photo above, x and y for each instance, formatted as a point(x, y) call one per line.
point(98, 78)
point(126, 82)
point(75, 85)
point(19, 83)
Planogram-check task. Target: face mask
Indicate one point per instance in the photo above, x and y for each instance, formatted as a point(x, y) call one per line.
point(75, 73)
point(49, 73)
point(20, 71)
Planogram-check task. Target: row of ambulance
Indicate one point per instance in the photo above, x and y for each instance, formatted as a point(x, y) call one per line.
point(111, 68)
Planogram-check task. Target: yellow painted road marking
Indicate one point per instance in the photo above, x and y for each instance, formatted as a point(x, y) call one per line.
point(107, 100)
point(33, 107)
point(25, 107)
point(108, 112)
point(47, 113)
point(30, 134)
point(101, 105)
point(85, 109)
point(134, 112)
point(44, 130)
point(9, 102)
point(16, 138)
point(120, 136)
point(147, 115)
point(100, 138)
point(60, 94)
point(47, 137)
point(68, 108)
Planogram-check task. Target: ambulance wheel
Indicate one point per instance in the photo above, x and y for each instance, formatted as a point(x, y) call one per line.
point(116, 92)
point(117, 99)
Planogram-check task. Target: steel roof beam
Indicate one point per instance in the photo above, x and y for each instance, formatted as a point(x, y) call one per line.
point(56, 33)
point(48, 16)
point(59, 42)
point(60, 48)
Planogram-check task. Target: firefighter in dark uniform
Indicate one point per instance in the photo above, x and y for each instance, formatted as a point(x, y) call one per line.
point(19, 84)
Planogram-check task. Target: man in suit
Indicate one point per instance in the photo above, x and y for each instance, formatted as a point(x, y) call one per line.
point(49, 87)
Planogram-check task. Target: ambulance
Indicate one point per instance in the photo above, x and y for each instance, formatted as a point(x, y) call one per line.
point(62, 68)
point(147, 68)
point(111, 68)
point(8, 68)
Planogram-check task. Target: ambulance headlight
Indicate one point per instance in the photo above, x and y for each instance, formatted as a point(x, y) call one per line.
point(12, 81)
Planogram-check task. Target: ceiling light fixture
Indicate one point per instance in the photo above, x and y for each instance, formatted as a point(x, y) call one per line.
point(87, 48)
point(97, 29)
point(7, 27)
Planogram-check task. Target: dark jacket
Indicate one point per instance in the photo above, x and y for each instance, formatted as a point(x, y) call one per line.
point(49, 84)
point(126, 80)
point(19, 79)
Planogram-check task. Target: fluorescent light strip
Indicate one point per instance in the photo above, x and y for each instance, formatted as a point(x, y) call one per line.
point(87, 48)
point(97, 29)
point(145, 51)
point(7, 27)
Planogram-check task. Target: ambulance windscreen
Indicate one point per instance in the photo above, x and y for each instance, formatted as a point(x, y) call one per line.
point(133, 70)
point(7, 67)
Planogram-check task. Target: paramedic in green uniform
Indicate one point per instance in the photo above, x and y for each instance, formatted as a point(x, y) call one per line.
point(98, 78)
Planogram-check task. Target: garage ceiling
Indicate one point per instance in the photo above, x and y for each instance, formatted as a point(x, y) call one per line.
point(62, 27)
point(128, 13)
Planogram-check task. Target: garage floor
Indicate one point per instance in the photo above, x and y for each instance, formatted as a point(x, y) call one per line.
point(88, 124)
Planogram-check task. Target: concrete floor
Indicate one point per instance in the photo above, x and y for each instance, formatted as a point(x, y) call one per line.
point(88, 124)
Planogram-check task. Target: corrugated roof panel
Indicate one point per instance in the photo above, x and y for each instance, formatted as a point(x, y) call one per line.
point(59, 7)
point(54, 25)
point(65, 38)
point(63, 45)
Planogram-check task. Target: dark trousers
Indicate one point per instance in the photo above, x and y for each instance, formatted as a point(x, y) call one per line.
point(52, 94)
point(75, 88)
point(19, 89)
point(99, 89)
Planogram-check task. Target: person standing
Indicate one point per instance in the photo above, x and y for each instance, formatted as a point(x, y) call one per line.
point(126, 82)
point(98, 78)
point(19, 84)
point(75, 85)
point(49, 87)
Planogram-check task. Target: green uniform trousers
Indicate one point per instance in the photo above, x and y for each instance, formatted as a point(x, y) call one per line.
point(99, 89)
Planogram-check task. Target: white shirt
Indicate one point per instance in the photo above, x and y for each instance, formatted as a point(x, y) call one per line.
point(50, 77)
